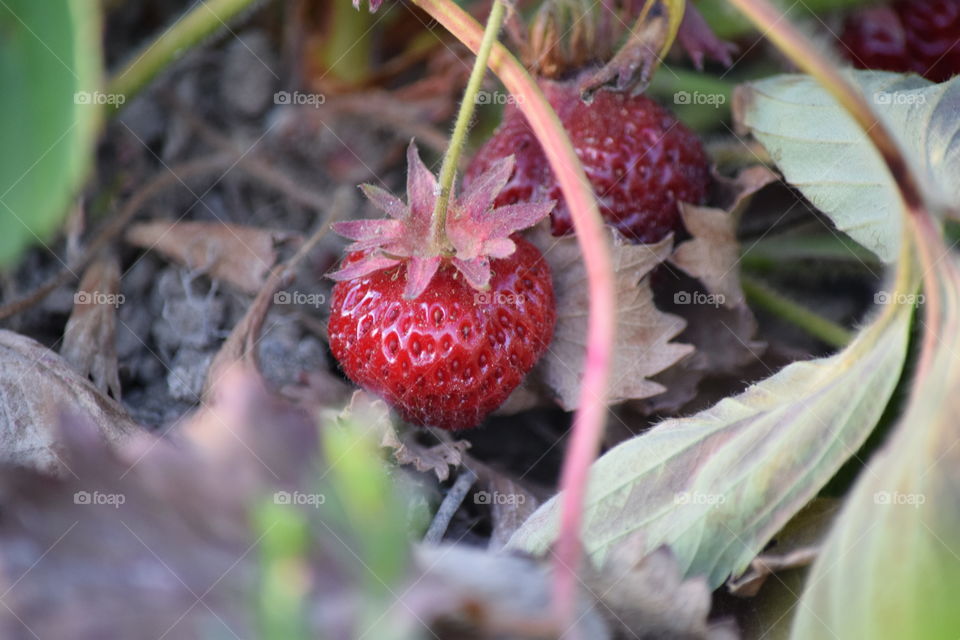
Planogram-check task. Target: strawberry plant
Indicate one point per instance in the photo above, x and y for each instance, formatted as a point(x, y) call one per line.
point(643, 322)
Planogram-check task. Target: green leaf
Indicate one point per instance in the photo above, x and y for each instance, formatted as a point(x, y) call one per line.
point(823, 152)
point(717, 486)
point(890, 567)
point(50, 61)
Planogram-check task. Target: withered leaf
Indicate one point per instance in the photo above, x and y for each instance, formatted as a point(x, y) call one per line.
point(726, 347)
point(437, 458)
point(796, 546)
point(496, 595)
point(644, 333)
point(712, 254)
point(37, 387)
point(239, 255)
point(124, 547)
point(373, 414)
point(644, 595)
point(89, 339)
point(638, 58)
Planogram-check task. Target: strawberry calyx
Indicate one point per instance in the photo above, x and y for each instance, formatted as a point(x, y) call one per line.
point(474, 232)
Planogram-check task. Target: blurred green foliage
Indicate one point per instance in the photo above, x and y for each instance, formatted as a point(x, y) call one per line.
point(50, 65)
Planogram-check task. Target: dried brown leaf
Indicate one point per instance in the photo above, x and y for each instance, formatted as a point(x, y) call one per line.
point(240, 348)
point(640, 55)
point(468, 593)
point(437, 458)
point(644, 333)
point(713, 253)
point(122, 548)
point(795, 547)
point(645, 596)
point(726, 347)
point(374, 415)
point(37, 387)
point(239, 255)
point(315, 391)
point(89, 339)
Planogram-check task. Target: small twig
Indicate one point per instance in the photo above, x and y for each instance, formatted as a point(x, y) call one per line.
point(450, 505)
point(816, 325)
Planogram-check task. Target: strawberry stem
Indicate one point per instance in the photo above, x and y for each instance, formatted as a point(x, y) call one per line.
point(824, 329)
point(448, 170)
point(594, 240)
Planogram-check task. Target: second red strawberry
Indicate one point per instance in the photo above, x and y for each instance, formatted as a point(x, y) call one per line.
point(639, 158)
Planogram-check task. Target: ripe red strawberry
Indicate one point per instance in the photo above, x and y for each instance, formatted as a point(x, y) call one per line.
point(443, 335)
point(922, 36)
point(639, 158)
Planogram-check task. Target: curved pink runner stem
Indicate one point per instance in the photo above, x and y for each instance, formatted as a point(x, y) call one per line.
point(589, 420)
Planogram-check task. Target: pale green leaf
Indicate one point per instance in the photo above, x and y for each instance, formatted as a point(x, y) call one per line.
point(49, 70)
point(717, 486)
point(890, 567)
point(823, 152)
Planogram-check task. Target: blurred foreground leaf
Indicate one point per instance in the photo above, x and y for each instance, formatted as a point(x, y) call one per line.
point(890, 568)
point(49, 69)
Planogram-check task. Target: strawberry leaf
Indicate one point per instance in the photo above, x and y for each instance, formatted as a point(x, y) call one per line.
point(717, 486)
point(644, 333)
point(893, 552)
point(821, 150)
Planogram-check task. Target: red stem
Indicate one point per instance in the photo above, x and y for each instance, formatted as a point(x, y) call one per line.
point(589, 420)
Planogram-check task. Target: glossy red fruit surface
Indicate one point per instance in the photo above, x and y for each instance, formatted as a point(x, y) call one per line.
point(639, 158)
point(920, 36)
point(452, 355)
